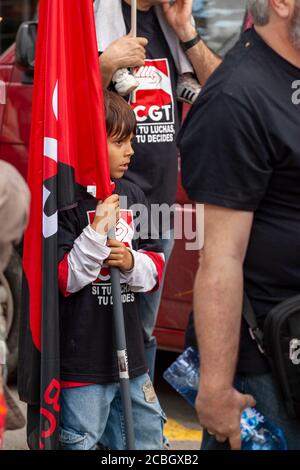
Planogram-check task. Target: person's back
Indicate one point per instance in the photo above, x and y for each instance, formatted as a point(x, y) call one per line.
point(253, 89)
point(241, 157)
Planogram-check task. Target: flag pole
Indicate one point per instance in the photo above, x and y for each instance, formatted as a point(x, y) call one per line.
point(122, 357)
point(122, 352)
point(119, 317)
point(134, 18)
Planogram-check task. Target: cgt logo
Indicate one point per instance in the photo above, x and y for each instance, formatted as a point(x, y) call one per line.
point(152, 101)
point(124, 234)
point(295, 351)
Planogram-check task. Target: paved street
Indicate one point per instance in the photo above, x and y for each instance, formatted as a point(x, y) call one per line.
point(16, 440)
point(182, 428)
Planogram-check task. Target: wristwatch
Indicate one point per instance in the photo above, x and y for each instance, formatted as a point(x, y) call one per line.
point(191, 43)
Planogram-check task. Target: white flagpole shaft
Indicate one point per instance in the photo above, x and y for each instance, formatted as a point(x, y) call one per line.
point(130, 81)
point(134, 18)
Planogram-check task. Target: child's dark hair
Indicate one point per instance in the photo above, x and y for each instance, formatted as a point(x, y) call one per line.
point(120, 118)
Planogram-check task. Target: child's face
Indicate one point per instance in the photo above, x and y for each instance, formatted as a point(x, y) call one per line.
point(119, 155)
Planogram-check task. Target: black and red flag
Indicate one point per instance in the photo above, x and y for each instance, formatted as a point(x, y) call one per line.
point(67, 151)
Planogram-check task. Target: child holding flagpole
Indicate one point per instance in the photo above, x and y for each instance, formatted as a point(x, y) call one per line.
point(91, 410)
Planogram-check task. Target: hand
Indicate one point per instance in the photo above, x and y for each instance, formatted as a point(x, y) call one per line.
point(123, 53)
point(120, 256)
point(219, 411)
point(179, 16)
point(107, 215)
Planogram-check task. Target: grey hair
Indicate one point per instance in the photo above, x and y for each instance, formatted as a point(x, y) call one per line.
point(260, 11)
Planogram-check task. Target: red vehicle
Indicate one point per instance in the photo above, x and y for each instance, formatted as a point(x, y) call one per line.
point(16, 83)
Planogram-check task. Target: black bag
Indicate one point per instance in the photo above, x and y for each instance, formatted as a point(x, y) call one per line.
point(280, 342)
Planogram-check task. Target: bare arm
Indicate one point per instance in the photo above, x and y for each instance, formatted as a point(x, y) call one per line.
point(202, 58)
point(218, 296)
point(124, 52)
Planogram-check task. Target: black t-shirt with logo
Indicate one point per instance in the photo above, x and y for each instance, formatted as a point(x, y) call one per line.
point(87, 334)
point(240, 149)
point(154, 165)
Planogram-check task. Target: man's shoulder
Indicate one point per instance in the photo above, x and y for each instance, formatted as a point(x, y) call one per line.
point(242, 74)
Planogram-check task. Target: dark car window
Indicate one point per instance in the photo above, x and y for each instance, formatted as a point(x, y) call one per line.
point(219, 22)
point(12, 13)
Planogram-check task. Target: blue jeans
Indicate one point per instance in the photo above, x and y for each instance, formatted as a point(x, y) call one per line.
point(149, 306)
point(269, 403)
point(93, 414)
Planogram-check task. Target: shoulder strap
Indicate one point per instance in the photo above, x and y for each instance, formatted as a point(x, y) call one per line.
point(250, 317)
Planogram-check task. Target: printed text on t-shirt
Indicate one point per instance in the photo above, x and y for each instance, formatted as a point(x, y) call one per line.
point(153, 103)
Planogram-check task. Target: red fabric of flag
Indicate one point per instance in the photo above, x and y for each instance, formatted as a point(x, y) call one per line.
point(68, 156)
